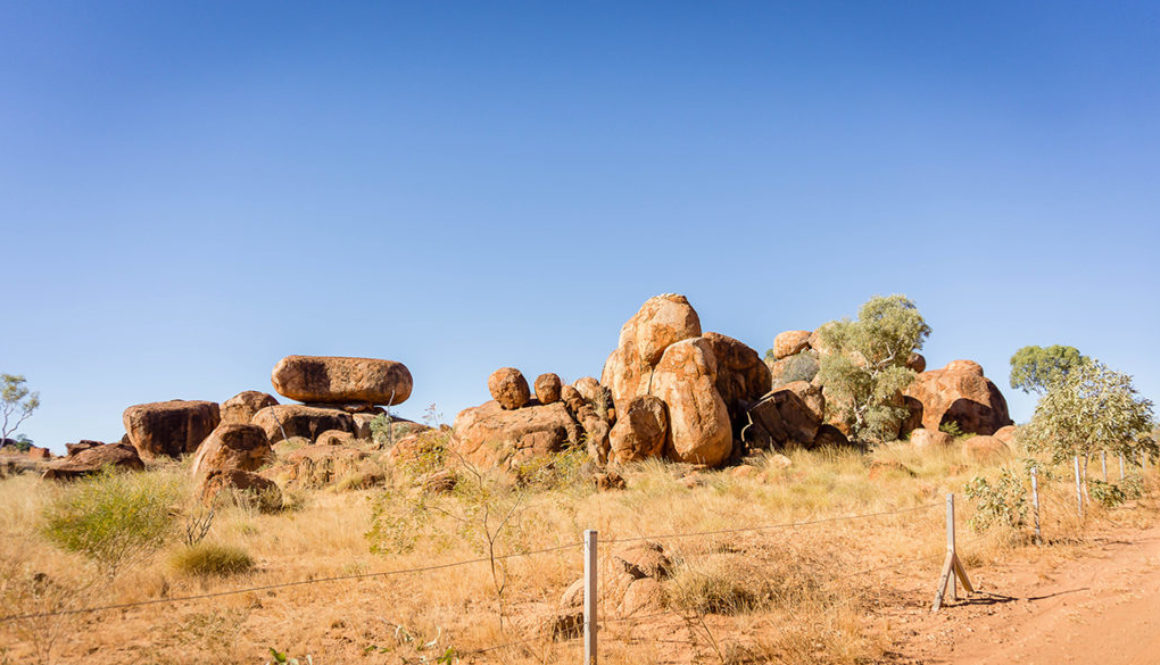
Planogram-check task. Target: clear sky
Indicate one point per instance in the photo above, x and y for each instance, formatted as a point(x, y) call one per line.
point(190, 191)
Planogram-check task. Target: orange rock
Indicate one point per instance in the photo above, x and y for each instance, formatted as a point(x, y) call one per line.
point(640, 430)
point(332, 379)
point(984, 448)
point(490, 436)
point(923, 438)
point(699, 427)
point(121, 456)
point(661, 321)
point(742, 376)
point(548, 388)
point(299, 420)
point(233, 446)
point(960, 393)
point(790, 342)
point(170, 428)
point(917, 362)
point(241, 407)
point(509, 388)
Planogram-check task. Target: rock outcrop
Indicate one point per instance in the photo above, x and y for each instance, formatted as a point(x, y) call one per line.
point(262, 492)
point(661, 321)
point(120, 456)
point(960, 393)
point(685, 380)
point(923, 439)
point(172, 428)
point(339, 380)
point(509, 388)
point(742, 376)
point(491, 436)
point(983, 448)
point(790, 342)
point(297, 420)
point(640, 430)
point(238, 446)
point(241, 407)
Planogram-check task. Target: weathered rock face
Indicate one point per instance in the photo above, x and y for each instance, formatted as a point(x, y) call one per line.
point(661, 321)
point(336, 380)
point(960, 393)
point(262, 491)
point(923, 438)
point(170, 428)
point(685, 380)
point(548, 388)
point(1007, 435)
point(830, 436)
point(491, 436)
point(299, 420)
point(802, 366)
point(742, 376)
point(640, 430)
point(334, 437)
point(233, 446)
point(120, 456)
point(984, 448)
point(241, 407)
point(790, 342)
point(792, 412)
point(72, 449)
point(509, 388)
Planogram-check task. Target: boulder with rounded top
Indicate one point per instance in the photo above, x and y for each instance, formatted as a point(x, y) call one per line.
point(959, 393)
point(640, 430)
point(685, 380)
point(790, 342)
point(297, 420)
point(170, 429)
point(548, 388)
point(241, 407)
point(340, 380)
point(509, 388)
point(742, 376)
point(233, 446)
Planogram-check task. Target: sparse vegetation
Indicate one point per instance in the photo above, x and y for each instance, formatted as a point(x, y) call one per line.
point(207, 559)
point(17, 404)
point(114, 519)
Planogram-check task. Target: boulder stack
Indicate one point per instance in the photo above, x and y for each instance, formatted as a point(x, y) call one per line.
point(241, 407)
point(960, 393)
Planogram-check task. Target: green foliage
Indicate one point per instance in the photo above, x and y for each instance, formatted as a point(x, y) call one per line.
point(17, 403)
point(1035, 368)
point(1110, 495)
point(556, 471)
point(1091, 408)
point(211, 559)
point(864, 370)
point(382, 431)
point(115, 519)
point(22, 443)
point(951, 427)
point(1004, 502)
point(280, 658)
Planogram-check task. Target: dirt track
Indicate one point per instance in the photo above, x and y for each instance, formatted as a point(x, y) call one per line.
point(1102, 607)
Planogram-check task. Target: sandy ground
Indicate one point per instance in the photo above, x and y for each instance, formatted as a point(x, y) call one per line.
point(1103, 606)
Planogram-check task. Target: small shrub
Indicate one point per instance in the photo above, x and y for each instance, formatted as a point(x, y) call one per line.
point(211, 559)
point(799, 367)
point(398, 519)
point(115, 519)
point(951, 427)
point(555, 471)
point(1004, 502)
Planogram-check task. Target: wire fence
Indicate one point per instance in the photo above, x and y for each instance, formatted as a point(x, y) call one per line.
point(540, 637)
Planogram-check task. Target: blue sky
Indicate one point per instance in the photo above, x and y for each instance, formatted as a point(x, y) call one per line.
point(189, 192)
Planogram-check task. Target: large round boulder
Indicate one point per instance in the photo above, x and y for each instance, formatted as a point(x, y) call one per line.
point(790, 342)
point(960, 393)
point(509, 388)
point(171, 428)
point(331, 379)
point(742, 376)
point(640, 430)
point(233, 446)
point(686, 381)
point(259, 491)
point(284, 421)
point(548, 388)
point(660, 322)
point(241, 407)
point(924, 439)
point(983, 448)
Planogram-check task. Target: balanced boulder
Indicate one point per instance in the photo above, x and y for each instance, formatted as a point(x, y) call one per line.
point(241, 407)
point(170, 428)
point(959, 393)
point(509, 388)
point(548, 388)
point(295, 420)
point(790, 342)
point(338, 380)
point(660, 322)
point(685, 380)
point(233, 446)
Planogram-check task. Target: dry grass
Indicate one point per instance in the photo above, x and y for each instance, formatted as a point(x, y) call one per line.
point(782, 594)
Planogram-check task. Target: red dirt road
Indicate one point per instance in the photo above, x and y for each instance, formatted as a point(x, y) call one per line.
point(1102, 607)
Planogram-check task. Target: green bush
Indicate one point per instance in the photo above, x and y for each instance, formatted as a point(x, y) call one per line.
point(1004, 502)
point(115, 519)
point(800, 367)
point(207, 559)
point(951, 427)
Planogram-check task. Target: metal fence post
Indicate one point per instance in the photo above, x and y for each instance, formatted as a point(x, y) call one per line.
point(590, 596)
point(1078, 489)
point(1035, 502)
point(1121, 467)
point(1104, 463)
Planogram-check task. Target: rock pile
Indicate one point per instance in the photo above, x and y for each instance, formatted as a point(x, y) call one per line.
point(958, 393)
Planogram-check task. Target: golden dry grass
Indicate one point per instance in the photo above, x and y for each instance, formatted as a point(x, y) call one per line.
point(789, 594)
